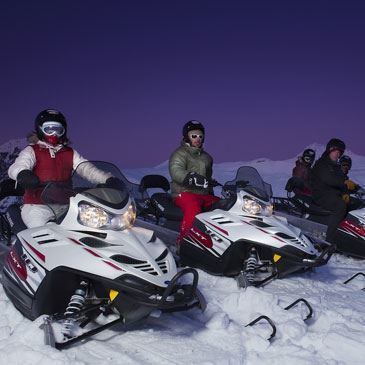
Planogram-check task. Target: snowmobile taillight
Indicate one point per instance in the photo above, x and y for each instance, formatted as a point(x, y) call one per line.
point(352, 227)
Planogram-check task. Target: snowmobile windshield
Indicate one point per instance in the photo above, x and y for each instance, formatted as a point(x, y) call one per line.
point(100, 181)
point(249, 180)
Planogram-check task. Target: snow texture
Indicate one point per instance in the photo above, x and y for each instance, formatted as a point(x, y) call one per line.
point(334, 336)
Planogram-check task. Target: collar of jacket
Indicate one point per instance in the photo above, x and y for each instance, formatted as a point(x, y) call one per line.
point(327, 158)
point(192, 150)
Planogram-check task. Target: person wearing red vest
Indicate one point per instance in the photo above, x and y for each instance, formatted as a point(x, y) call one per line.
point(47, 158)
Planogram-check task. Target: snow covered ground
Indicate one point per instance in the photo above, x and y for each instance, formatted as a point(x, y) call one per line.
point(335, 335)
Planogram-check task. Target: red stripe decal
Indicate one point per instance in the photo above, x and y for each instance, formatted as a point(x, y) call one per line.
point(74, 241)
point(92, 252)
point(260, 229)
point(40, 255)
point(114, 266)
point(219, 229)
point(279, 239)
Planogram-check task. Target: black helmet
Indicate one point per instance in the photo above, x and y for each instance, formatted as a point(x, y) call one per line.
point(50, 115)
point(346, 160)
point(335, 144)
point(191, 125)
point(308, 156)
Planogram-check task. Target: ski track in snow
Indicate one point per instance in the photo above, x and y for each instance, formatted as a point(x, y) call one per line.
point(335, 335)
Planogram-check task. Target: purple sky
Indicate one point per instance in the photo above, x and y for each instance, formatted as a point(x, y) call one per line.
point(267, 78)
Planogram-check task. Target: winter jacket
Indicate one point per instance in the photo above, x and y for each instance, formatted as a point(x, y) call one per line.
point(327, 179)
point(303, 172)
point(52, 163)
point(187, 159)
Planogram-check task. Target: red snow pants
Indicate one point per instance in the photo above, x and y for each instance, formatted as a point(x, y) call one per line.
point(192, 204)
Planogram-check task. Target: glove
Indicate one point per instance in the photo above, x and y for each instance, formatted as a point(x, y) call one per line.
point(350, 185)
point(115, 183)
point(28, 180)
point(346, 198)
point(194, 179)
point(213, 183)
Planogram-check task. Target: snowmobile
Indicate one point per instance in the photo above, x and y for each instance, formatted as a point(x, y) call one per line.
point(91, 262)
point(301, 211)
point(239, 237)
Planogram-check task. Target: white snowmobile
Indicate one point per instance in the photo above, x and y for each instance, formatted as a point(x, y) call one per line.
point(302, 212)
point(92, 260)
point(239, 236)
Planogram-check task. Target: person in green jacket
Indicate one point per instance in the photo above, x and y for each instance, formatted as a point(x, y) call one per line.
point(191, 172)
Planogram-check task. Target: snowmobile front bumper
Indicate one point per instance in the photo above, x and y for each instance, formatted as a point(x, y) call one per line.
point(290, 263)
point(175, 297)
point(322, 259)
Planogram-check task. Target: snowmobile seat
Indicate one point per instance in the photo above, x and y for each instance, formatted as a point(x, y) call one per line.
point(315, 209)
point(13, 216)
point(294, 183)
point(154, 182)
point(165, 207)
point(310, 206)
point(161, 202)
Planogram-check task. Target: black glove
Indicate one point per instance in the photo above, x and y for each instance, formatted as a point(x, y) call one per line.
point(213, 183)
point(115, 183)
point(27, 179)
point(194, 179)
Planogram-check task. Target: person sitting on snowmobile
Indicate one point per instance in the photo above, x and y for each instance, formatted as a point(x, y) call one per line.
point(329, 185)
point(302, 172)
point(47, 158)
point(191, 172)
point(346, 164)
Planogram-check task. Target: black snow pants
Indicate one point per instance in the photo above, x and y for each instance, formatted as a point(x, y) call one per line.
point(338, 207)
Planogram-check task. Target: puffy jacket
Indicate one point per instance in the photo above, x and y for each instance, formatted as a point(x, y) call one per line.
point(327, 179)
point(187, 159)
point(303, 172)
point(52, 163)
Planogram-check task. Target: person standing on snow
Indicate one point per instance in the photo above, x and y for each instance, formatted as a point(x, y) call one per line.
point(302, 172)
point(191, 172)
point(328, 183)
point(48, 158)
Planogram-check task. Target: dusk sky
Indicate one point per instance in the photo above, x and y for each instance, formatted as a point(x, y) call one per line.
point(267, 78)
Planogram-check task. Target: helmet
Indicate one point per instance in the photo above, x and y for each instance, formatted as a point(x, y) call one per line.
point(56, 125)
point(191, 125)
point(335, 144)
point(346, 160)
point(308, 156)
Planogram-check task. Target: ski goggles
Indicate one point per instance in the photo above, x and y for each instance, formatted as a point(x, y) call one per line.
point(195, 136)
point(308, 159)
point(53, 129)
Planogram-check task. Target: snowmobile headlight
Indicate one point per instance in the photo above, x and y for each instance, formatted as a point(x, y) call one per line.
point(95, 217)
point(92, 217)
point(125, 220)
point(251, 206)
point(267, 210)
